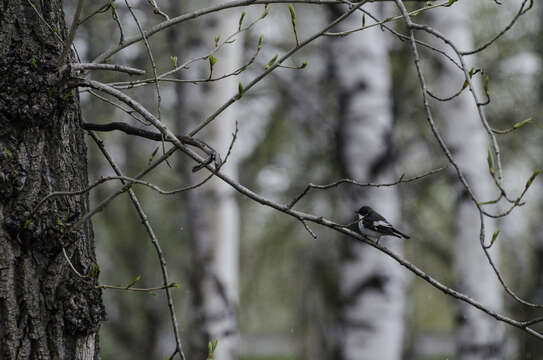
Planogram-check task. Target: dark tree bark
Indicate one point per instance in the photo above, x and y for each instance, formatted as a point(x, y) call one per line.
point(46, 310)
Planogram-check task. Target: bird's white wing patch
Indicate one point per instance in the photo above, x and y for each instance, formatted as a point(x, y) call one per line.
point(382, 223)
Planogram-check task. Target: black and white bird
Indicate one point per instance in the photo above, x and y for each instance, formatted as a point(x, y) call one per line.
point(373, 225)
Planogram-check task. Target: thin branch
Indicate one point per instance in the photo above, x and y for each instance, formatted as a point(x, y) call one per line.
point(401, 180)
point(71, 34)
point(509, 26)
point(277, 63)
point(44, 21)
point(479, 105)
point(157, 11)
point(185, 65)
point(155, 243)
point(126, 288)
point(304, 216)
point(108, 67)
point(381, 22)
point(504, 285)
point(132, 130)
point(129, 111)
point(149, 53)
point(195, 14)
point(306, 226)
point(403, 37)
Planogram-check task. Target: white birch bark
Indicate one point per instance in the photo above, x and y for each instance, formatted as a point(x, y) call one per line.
point(478, 336)
point(372, 286)
point(212, 211)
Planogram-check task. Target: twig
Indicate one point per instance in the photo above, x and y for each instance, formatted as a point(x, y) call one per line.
point(108, 67)
point(303, 216)
point(155, 243)
point(132, 130)
point(306, 226)
point(71, 34)
point(150, 54)
point(156, 10)
point(401, 180)
point(490, 42)
point(147, 290)
point(195, 14)
point(130, 112)
point(277, 63)
point(228, 40)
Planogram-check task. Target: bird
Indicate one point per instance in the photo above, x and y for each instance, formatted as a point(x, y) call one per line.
point(374, 225)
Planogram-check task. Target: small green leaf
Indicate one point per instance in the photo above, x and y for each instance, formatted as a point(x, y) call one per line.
point(292, 13)
point(95, 271)
point(240, 89)
point(522, 123)
point(451, 2)
point(34, 62)
point(532, 178)
point(133, 282)
point(217, 38)
point(271, 62)
point(8, 153)
point(363, 20)
point(490, 162)
point(241, 19)
point(152, 155)
point(485, 84)
point(27, 223)
point(212, 60)
point(494, 236)
point(260, 40)
point(173, 59)
point(304, 65)
point(266, 12)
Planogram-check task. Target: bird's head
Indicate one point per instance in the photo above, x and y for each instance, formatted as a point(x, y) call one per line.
point(364, 210)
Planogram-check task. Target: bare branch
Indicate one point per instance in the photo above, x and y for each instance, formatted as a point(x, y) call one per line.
point(304, 216)
point(154, 241)
point(509, 26)
point(108, 67)
point(150, 54)
point(401, 180)
point(277, 63)
point(71, 34)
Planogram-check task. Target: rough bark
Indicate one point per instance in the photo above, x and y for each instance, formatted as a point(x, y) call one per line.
point(46, 310)
point(478, 336)
point(372, 287)
point(211, 215)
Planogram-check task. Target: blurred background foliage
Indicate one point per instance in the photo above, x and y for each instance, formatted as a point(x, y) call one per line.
point(288, 281)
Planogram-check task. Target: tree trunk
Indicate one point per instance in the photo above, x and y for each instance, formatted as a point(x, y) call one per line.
point(478, 335)
point(46, 310)
point(372, 286)
point(211, 216)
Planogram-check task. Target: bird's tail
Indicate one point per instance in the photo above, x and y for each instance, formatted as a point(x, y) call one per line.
point(401, 234)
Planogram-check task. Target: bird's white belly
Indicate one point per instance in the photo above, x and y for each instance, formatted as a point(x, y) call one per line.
point(368, 232)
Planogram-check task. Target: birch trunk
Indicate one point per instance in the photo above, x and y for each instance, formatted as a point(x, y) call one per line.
point(372, 286)
point(478, 336)
point(211, 216)
point(46, 310)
